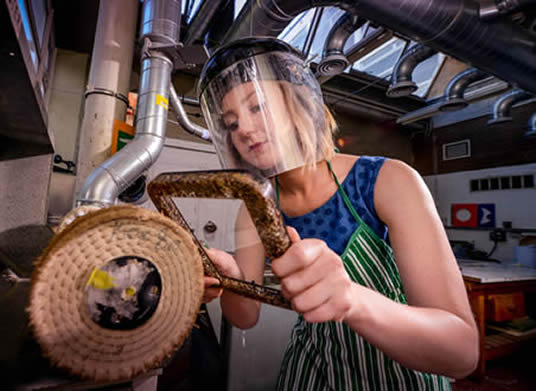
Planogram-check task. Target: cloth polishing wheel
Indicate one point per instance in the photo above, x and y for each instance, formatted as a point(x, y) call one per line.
point(115, 293)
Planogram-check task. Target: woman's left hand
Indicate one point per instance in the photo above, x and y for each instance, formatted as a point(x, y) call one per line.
point(313, 278)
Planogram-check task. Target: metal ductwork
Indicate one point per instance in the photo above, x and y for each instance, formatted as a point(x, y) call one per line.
point(502, 109)
point(159, 31)
point(491, 9)
point(453, 97)
point(452, 27)
point(401, 82)
point(220, 24)
point(182, 117)
point(333, 59)
point(201, 21)
point(531, 131)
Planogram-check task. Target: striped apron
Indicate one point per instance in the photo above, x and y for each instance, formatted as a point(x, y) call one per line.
point(330, 355)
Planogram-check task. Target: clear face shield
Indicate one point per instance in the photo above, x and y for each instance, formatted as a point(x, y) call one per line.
point(266, 114)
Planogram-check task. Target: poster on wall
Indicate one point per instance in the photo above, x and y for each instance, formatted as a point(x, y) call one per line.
point(473, 215)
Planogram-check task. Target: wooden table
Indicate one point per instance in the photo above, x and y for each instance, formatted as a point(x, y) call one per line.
point(483, 279)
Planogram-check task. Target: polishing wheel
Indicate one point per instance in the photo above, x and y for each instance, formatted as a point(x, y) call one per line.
point(115, 293)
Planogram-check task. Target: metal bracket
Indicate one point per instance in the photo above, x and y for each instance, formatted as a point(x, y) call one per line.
point(182, 57)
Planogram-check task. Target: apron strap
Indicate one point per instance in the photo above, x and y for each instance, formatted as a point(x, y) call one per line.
point(343, 194)
point(345, 197)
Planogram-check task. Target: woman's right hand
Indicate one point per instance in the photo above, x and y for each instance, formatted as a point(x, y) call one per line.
point(227, 266)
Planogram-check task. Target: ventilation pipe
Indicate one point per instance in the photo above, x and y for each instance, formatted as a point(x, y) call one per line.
point(502, 109)
point(333, 60)
point(453, 96)
point(159, 31)
point(220, 24)
point(182, 117)
point(531, 131)
point(491, 9)
point(201, 21)
point(401, 82)
point(452, 27)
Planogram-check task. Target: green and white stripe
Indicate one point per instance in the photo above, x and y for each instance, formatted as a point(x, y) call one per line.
point(331, 356)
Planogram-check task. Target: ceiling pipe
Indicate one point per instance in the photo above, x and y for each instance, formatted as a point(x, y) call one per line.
point(452, 27)
point(159, 31)
point(201, 21)
point(182, 117)
point(453, 97)
point(531, 131)
point(333, 59)
point(502, 109)
point(401, 81)
point(491, 9)
point(219, 26)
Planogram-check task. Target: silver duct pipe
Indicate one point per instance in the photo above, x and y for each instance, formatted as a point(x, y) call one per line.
point(502, 109)
point(452, 27)
point(201, 21)
point(491, 9)
point(333, 59)
point(159, 29)
point(401, 82)
point(453, 96)
point(182, 117)
point(189, 101)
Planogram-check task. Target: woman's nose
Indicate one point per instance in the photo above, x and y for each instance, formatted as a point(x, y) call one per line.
point(246, 126)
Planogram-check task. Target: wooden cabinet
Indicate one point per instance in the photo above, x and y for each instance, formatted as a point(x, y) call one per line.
point(495, 344)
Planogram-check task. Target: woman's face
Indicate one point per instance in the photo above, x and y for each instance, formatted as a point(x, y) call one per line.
point(256, 117)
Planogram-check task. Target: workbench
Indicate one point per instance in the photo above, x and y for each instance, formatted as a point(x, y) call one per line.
point(483, 279)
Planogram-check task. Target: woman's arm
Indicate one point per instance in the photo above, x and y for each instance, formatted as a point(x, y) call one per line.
point(436, 332)
point(247, 265)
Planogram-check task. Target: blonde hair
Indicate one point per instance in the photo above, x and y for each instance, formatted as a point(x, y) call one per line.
point(306, 113)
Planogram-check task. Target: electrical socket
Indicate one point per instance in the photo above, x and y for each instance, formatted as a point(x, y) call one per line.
point(498, 235)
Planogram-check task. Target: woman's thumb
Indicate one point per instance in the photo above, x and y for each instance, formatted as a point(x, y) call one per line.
point(293, 235)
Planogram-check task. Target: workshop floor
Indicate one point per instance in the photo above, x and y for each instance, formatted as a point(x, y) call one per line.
point(516, 372)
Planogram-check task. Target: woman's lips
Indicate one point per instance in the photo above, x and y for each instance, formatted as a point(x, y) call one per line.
point(257, 147)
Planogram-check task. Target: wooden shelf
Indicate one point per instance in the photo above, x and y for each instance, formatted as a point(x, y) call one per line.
point(498, 343)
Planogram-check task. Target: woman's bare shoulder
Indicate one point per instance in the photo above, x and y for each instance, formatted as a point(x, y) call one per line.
point(342, 164)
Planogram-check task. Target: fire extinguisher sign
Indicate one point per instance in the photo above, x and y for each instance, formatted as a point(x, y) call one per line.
point(473, 215)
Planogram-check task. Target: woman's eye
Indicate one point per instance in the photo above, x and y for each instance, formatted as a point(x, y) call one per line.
point(256, 108)
point(231, 127)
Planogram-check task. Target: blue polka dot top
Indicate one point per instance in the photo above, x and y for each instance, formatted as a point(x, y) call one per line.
point(333, 222)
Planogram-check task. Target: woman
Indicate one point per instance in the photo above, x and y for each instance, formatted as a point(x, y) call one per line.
point(372, 315)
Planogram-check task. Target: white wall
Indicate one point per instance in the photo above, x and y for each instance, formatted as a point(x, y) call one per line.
point(515, 205)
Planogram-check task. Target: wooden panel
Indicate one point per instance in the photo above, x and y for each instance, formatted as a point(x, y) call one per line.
point(500, 308)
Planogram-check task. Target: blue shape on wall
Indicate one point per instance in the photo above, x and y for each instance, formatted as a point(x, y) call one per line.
point(486, 215)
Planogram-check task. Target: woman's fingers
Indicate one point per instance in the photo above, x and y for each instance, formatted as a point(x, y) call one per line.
point(300, 255)
point(212, 289)
point(293, 234)
point(224, 262)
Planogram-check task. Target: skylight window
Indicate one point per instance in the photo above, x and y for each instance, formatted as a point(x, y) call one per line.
point(380, 62)
point(189, 8)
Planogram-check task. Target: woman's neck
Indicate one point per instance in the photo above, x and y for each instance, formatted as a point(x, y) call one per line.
point(303, 180)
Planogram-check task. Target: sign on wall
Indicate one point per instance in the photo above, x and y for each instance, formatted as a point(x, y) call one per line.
point(473, 215)
point(122, 134)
